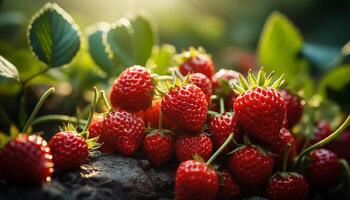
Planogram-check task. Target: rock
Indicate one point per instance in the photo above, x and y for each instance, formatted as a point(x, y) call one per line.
point(102, 177)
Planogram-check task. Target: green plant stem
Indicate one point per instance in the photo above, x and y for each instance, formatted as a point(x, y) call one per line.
point(178, 73)
point(213, 113)
point(105, 100)
point(37, 107)
point(222, 106)
point(163, 77)
point(92, 110)
point(24, 83)
point(285, 157)
point(223, 146)
point(50, 118)
point(328, 139)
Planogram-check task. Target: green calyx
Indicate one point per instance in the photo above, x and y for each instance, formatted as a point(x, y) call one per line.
point(261, 80)
point(165, 86)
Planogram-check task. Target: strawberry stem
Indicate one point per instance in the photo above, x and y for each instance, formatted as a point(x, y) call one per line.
point(49, 118)
point(285, 157)
point(105, 100)
point(217, 152)
point(321, 143)
point(222, 105)
point(92, 110)
point(37, 107)
point(178, 73)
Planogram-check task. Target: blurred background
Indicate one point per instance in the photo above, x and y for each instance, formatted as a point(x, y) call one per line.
point(306, 41)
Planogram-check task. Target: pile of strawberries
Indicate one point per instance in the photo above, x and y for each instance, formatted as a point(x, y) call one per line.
point(231, 135)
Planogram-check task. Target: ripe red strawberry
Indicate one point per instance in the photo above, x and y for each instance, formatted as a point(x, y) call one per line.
point(203, 83)
point(251, 166)
point(288, 186)
point(195, 180)
point(260, 109)
point(133, 90)
point(187, 106)
point(186, 146)
point(294, 105)
point(278, 147)
point(322, 130)
point(224, 76)
point(324, 169)
point(124, 131)
point(221, 127)
point(340, 146)
point(26, 159)
point(69, 150)
point(159, 148)
point(228, 188)
point(96, 130)
point(151, 116)
point(194, 61)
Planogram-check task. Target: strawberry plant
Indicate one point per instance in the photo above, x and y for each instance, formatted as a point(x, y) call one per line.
point(219, 132)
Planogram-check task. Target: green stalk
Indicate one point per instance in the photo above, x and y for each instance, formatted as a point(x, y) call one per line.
point(325, 141)
point(222, 105)
point(24, 83)
point(223, 146)
point(50, 118)
point(37, 107)
point(178, 73)
point(105, 100)
point(285, 157)
point(92, 110)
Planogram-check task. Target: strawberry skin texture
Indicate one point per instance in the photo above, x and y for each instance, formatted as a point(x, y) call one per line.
point(196, 181)
point(250, 167)
point(228, 188)
point(321, 130)
point(201, 64)
point(124, 131)
point(278, 147)
point(294, 107)
point(26, 159)
point(203, 83)
point(261, 111)
point(69, 150)
point(186, 146)
point(96, 130)
point(324, 169)
point(224, 75)
point(221, 127)
point(159, 149)
point(187, 106)
point(133, 90)
point(288, 186)
point(151, 116)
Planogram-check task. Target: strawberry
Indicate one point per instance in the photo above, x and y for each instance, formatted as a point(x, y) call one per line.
point(220, 128)
point(251, 166)
point(260, 108)
point(221, 79)
point(324, 169)
point(124, 131)
point(194, 61)
point(186, 146)
point(203, 83)
point(159, 148)
point(26, 159)
point(228, 188)
point(96, 130)
point(278, 147)
point(294, 105)
point(133, 90)
point(187, 106)
point(195, 180)
point(287, 186)
point(321, 131)
point(151, 116)
point(340, 146)
point(69, 150)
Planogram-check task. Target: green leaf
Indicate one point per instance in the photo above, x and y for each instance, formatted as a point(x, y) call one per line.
point(97, 48)
point(336, 79)
point(7, 70)
point(53, 36)
point(161, 59)
point(130, 41)
point(279, 46)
